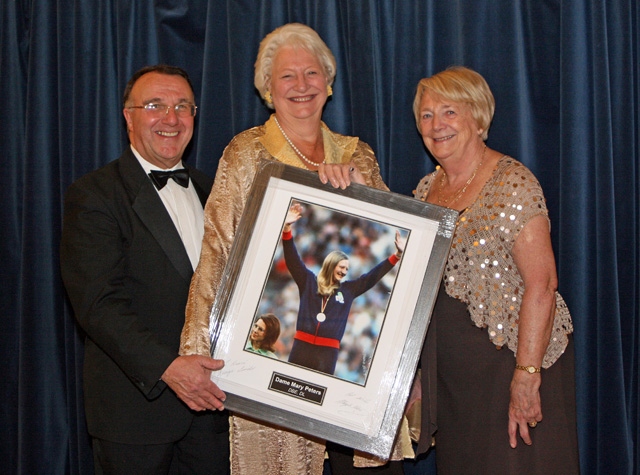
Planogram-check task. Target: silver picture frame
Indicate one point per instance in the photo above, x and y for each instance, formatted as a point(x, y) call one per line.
point(362, 412)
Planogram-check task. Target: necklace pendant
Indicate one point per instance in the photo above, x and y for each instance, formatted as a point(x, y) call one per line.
point(456, 195)
point(300, 155)
point(321, 317)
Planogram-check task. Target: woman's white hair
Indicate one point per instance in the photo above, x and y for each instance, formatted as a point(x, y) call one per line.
point(291, 34)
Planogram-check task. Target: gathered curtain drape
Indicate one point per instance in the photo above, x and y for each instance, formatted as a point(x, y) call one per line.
point(565, 74)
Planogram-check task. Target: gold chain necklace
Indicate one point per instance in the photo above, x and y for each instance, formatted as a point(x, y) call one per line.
point(459, 193)
point(295, 149)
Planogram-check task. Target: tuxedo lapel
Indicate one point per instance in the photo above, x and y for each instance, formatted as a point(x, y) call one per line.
point(149, 207)
point(202, 193)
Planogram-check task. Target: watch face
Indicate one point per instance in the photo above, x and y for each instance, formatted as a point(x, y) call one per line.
point(531, 369)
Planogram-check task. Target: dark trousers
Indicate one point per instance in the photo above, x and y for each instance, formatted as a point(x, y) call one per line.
point(203, 450)
point(341, 463)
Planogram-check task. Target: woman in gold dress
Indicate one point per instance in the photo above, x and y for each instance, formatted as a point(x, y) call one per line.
point(294, 72)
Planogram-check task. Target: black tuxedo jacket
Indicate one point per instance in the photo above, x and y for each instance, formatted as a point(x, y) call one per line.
point(127, 275)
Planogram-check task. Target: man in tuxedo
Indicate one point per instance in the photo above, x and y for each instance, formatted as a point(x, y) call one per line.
point(131, 240)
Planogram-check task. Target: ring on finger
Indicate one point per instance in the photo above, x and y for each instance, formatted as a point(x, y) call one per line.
point(532, 424)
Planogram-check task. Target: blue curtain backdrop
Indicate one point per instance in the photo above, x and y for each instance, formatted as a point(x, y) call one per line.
point(565, 74)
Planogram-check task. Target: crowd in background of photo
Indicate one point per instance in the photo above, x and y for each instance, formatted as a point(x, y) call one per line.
point(366, 242)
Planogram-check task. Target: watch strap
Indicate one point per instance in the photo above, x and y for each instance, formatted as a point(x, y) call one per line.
point(528, 369)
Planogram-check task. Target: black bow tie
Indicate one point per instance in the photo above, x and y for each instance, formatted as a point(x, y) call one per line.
point(159, 177)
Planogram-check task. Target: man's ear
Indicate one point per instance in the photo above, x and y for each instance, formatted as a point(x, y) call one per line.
point(127, 117)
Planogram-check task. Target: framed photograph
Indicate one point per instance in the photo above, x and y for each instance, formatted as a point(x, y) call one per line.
point(324, 305)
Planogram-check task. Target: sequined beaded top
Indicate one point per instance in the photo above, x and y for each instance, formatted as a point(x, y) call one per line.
point(480, 270)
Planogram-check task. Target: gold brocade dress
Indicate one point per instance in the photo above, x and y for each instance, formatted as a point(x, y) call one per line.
point(254, 445)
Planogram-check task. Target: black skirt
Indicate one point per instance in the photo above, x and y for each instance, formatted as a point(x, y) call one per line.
point(470, 380)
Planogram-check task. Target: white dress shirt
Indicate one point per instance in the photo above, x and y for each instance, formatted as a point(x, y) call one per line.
point(184, 207)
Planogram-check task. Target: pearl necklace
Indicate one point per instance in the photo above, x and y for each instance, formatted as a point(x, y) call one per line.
point(295, 149)
point(458, 194)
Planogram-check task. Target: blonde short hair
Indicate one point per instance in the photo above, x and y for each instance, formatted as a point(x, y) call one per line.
point(291, 34)
point(462, 85)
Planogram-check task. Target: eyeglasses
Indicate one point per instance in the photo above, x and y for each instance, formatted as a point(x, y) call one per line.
point(183, 109)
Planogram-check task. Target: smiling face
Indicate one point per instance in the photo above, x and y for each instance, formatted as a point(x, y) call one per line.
point(298, 84)
point(448, 128)
point(258, 332)
point(340, 270)
point(160, 140)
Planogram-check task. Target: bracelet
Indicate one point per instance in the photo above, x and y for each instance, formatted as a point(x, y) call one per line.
point(528, 369)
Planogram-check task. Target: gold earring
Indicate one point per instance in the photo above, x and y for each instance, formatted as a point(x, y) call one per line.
point(268, 98)
point(329, 90)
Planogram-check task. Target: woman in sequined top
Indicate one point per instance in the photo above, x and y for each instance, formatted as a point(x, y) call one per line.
point(294, 72)
point(513, 410)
